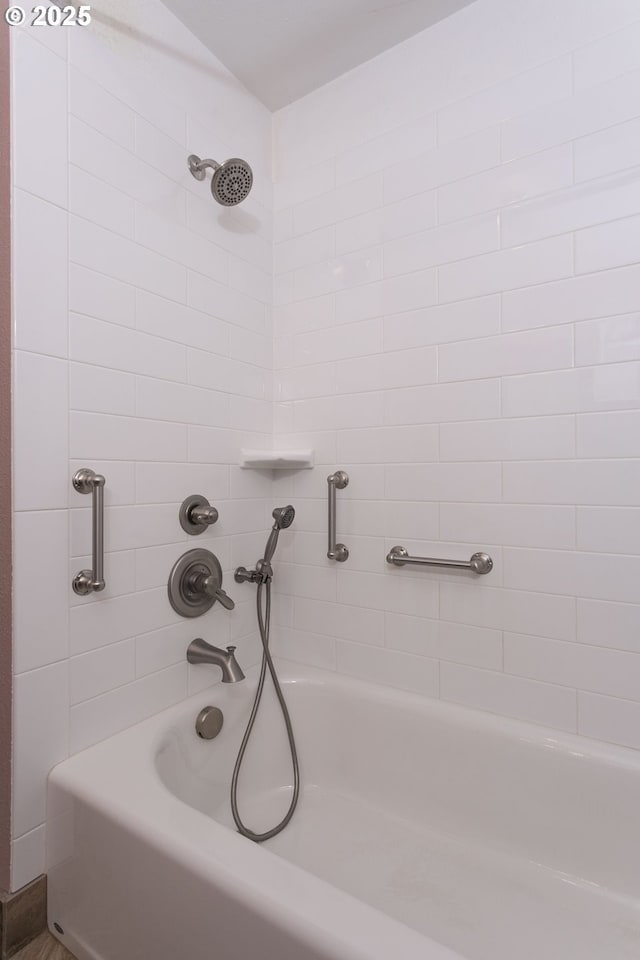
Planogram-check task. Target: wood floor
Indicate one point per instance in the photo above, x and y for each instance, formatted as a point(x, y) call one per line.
point(44, 947)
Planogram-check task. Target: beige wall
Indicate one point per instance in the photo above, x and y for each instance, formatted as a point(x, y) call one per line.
point(5, 468)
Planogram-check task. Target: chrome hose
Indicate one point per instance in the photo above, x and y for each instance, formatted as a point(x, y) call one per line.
point(264, 622)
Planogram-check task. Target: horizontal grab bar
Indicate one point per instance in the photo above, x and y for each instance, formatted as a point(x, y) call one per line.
point(479, 562)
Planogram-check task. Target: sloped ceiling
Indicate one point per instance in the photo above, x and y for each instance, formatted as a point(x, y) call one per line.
point(284, 49)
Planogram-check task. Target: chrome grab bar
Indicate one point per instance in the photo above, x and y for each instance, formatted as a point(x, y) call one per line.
point(479, 562)
point(335, 481)
point(89, 581)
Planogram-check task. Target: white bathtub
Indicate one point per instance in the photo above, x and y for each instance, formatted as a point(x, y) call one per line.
point(424, 832)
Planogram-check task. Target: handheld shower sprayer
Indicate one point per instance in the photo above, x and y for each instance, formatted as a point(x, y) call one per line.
point(283, 518)
point(262, 576)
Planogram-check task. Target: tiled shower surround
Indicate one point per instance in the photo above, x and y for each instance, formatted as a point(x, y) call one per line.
point(143, 350)
point(456, 324)
point(457, 229)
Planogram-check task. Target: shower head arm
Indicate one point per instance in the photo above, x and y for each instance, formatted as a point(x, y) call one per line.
point(198, 166)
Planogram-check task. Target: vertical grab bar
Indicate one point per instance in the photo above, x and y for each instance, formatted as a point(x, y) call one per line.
point(88, 581)
point(335, 481)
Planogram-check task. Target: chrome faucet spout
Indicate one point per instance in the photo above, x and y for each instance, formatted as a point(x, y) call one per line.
point(199, 651)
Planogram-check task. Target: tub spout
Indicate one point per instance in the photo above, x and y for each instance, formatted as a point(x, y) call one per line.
point(199, 651)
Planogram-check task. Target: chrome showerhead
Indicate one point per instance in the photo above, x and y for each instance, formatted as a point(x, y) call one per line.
point(231, 181)
point(283, 517)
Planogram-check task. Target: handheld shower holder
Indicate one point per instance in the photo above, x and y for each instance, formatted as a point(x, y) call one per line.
point(263, 573)
point(242, 575)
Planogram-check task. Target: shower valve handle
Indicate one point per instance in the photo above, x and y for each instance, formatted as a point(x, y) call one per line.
point(196, 514)
point(209, 585)
point(195, 583)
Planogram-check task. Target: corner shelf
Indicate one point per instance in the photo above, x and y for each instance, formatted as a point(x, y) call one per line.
point(276, 459)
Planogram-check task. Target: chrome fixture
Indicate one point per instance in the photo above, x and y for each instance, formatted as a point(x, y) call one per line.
point(231, 181)
point(479, 562)
point(92, 581)
point(263, 575)
point(195, 583)
point(199, 651)
point(196, 514)
point(336, 481)
point(209, 722)
point(283, 518)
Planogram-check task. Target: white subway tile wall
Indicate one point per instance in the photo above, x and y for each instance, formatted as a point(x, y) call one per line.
point(484, 392)
point(445, 303)
point(143, 349)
